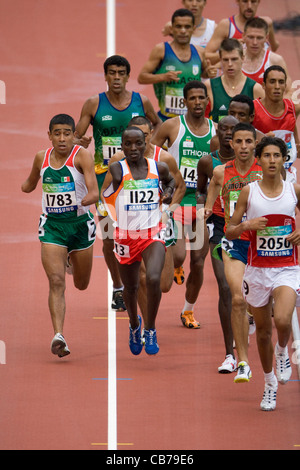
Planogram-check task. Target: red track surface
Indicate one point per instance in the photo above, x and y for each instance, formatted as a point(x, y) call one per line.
point(51, 61)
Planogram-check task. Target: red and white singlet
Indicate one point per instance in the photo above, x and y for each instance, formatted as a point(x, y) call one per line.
point(283, 126)
point(269, 248)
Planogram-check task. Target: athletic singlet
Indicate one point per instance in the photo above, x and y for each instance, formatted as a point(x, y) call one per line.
point(269, 247)
point(170, 94)
point(234, 31)
point(157, 151)
point(218, 207)
point(187, 150)
point(63, 188)
point(108, 126)
point(283, 126)
point(258, 76)
point(203, 40)
point(233, 184)
point(135, 204)
point(222, 99)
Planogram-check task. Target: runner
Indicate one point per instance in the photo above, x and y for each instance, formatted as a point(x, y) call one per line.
point(230, 179)
point(276, 114)
point(172, 65)
point(169, 231)
point(204, 28)
point(109, 113)
point(215, 224)
point(188, 139)
point(273, 270)
point(257, 58)
point(232, 81)
point(67, 230)
point(233, 27)
point(133, 201)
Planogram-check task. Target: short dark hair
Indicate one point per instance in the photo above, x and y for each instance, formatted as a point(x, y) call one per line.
point(278, 68)
point(243, 99)
point(140, 121)
point(258, 23)
point(229, 45)
point(244, 126)
point(265, 141)
point(62, 119)
point(194, 84)
point(182, 12)
point(117, 60)
point(133, 128)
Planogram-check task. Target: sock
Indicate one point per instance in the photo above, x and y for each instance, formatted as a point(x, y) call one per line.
point(188, 307)
point(280, 349)
point(116, 289)
point(270, 377)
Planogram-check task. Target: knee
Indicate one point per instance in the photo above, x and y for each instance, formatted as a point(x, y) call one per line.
point(263, 335)
point(197, 264)
point(153, 280)
point(131, 289)
point(57, 282)
point(81, 284)
point(238, 301)
point(224, 291)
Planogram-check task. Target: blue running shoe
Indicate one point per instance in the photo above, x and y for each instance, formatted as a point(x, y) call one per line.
point(151, 346)
point(135, 339)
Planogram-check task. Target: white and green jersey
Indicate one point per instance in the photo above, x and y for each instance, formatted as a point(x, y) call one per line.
point(187, 150)
point(63, 188)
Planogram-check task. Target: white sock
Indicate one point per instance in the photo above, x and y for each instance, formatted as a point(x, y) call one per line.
point(270, 377)
point(188, 307)
point(281, 350)
point(115, 289)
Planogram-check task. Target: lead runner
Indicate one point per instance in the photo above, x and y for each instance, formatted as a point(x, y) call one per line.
point(133, 201)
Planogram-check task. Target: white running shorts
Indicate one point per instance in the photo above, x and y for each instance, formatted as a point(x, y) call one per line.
point(259, 283)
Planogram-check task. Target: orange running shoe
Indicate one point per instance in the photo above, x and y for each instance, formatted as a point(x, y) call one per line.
point(188, 320)
point(179, 275)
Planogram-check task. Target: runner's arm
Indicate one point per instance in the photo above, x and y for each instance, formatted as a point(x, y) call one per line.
point(214, 189)
point(235, 226)
point(31, 182)
point(86, 164)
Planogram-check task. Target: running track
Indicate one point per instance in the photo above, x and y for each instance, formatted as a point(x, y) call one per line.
point(51, 61)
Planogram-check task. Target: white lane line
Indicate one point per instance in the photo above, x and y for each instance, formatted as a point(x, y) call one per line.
point(112, 372)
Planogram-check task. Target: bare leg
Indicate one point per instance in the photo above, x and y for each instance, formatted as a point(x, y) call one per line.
point(234, 272)
point(54, 262)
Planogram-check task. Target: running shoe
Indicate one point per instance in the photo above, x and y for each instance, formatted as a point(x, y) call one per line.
point(268, 402)
point(252, 326)
point(179, 275)
point(229, 365)
point(244, 373)
point(283, 366)
point(188, 320)
point(151, 346)
point(135, 339)
point(117, 301)
point(59, 346)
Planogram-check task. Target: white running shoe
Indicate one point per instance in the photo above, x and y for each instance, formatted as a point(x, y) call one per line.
point(268, 402)
point(229, 365)
point(283, 366)
point(59, 346)
point(244, 373)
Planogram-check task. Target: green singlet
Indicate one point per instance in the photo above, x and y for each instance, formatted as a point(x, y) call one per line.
point(187, 150)
point(170, 94)
point(222, 99)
